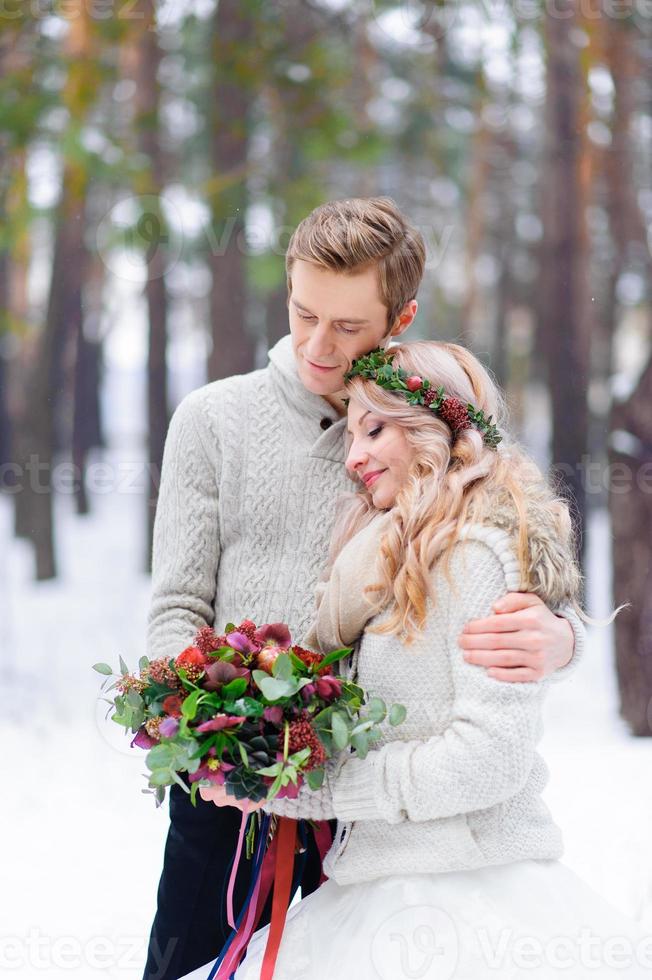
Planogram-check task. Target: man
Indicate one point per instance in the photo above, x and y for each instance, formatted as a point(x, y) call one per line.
point(252, 470)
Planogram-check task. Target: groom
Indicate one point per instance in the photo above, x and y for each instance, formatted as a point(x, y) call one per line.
point(252, 470)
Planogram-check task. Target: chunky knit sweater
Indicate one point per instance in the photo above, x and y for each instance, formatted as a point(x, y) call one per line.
point(251, 475)
point(458, 784)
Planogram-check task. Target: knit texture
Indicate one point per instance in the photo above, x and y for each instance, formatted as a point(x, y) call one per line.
point(458, 784)
point(246, 505)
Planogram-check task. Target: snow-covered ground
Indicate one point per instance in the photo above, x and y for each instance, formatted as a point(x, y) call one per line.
point(81, 847)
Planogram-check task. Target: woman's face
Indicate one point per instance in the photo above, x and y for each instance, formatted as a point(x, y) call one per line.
point(379, 454)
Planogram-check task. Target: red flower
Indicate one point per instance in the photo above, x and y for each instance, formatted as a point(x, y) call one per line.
point(302, 735)
point(455, 414)
point(248, 628)
point(309, 658)
point(329, 688)
point(172, 705)
point(207, 640)
point(191, 657)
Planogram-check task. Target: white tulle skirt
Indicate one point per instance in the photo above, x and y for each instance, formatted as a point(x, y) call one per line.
point(530, 919)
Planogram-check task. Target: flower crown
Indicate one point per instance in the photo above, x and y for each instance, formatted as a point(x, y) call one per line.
point(377, 366)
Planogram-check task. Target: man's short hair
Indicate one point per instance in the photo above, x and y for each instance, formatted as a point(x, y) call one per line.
point(351, 235)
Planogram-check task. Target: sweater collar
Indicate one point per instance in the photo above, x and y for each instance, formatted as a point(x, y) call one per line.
point(313, 408)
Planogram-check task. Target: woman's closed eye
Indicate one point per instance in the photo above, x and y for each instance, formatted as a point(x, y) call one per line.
point(374, 433)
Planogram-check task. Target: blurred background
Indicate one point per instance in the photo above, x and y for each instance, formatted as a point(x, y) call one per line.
point(154, 160)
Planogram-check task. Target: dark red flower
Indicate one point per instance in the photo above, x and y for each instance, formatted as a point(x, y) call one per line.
point(222, 672)
point(142, 739)
point(219, 722)
point(302, 735)
point(309, 658)
point(276, 634)
point(328, 688)
point(207, 640)
point(455, 414)
point(172, 705)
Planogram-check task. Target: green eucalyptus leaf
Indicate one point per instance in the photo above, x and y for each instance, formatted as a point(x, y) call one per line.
point(123, 666)
point(282, 667)
point(360, 743)
point(340, 730)
point(397, 714)
point(376, 709)
point(315, 778)
point(103, 669)
point(161, 777)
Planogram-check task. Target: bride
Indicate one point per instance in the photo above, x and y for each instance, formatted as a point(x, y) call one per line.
point(446, 860)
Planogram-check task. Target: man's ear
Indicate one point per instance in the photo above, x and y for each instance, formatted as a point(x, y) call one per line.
point(404, 319)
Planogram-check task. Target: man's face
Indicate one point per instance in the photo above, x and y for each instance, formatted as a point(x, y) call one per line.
point(335, 318)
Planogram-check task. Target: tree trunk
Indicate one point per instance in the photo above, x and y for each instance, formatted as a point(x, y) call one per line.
point(564, 278)
point(630, 505)
point(147, 58)
point(5, 418)
point(233, 88)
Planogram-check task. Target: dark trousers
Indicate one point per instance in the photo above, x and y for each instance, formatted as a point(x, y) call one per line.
point(190, 926)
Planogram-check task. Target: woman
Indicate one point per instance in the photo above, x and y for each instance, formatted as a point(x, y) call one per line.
point(446, 859)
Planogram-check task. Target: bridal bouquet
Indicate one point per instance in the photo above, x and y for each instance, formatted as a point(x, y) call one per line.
point(247, 709)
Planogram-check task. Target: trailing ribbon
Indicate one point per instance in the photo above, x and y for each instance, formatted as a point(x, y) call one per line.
point(255, 883)
point(273, 862)
point(230, 918)
point(287, 832)
point(323, 839)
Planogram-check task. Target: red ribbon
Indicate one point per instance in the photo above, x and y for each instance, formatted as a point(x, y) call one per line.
point(323, 839)
point(287, 832)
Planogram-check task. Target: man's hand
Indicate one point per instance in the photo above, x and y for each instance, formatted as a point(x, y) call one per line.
point(524, 641)
point(219, 796)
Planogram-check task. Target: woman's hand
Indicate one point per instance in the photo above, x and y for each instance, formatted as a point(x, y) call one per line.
point(219, 796)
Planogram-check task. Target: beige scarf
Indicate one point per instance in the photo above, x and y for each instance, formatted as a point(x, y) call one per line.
point(343, 609)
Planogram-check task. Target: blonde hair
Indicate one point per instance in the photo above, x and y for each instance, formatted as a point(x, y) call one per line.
point(349, 236)
point(454, 480)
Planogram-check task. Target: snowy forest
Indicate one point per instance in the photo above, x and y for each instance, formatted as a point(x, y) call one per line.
point(155, 158)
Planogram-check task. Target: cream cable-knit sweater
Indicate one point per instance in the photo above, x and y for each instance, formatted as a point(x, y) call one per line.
point(458, 785)
point(246, 505)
